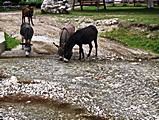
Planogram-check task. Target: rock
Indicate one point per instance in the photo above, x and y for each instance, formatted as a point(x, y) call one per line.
point(52, 6)
point(150, 36)
point(89, 20)
point(2, 44)
point(83, 25)
point(153, 27)
point(3, 74)
point(107, 22)
point(41, 47)
point(13, 80)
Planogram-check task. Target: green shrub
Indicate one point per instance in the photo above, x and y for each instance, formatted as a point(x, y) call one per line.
point(10, 42)
point(36, 3)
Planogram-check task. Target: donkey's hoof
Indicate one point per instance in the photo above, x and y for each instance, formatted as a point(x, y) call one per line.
point(27, 53)
point(65, 60)
point(60, 58)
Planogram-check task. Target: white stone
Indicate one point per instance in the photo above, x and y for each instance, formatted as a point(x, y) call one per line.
point(13, 80)
point(53, 6)
point(2, 42)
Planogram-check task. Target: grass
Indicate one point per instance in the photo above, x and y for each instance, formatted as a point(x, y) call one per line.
point(129, 14)
point(135, 38)
point(10, 42)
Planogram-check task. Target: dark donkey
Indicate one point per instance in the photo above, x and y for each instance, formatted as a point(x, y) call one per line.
point(26, 32)
point(65, 34)
point(27, 11)
point(83, 36)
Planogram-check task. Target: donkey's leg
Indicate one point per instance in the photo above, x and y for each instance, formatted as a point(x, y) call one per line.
point(81, 52)
point(29, 45)
point(90, 49)
point(96, 45)
point(31, 20)
point(23, 19)
point(27, 48)
point(22, 43)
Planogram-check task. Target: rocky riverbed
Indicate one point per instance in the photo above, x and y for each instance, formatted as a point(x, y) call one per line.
point(110, 89)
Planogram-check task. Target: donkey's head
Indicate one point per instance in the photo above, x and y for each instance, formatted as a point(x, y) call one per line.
point(31, 10)
point(60, 52)
point(67, 54)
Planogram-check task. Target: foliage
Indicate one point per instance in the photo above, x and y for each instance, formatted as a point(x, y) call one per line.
point(13, 1)
point(2, 9)
point(10, 42)
point(36, 3)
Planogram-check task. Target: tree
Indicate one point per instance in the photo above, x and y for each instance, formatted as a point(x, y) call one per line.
point(15, 1)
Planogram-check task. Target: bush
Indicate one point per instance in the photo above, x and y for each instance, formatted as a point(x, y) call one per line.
point(36, 3)
point(10, 42)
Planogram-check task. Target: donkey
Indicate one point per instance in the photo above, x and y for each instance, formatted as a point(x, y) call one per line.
point(82, 36)
point(26, 32)
point(65, 34)
point(27, 11)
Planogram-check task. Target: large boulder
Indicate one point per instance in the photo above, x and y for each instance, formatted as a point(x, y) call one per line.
point(42, 47)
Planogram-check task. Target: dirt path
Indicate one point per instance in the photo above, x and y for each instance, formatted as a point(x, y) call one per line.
point(44, 25)
point(50, 26)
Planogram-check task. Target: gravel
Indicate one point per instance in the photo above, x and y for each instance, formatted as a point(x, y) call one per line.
point(120, 89)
